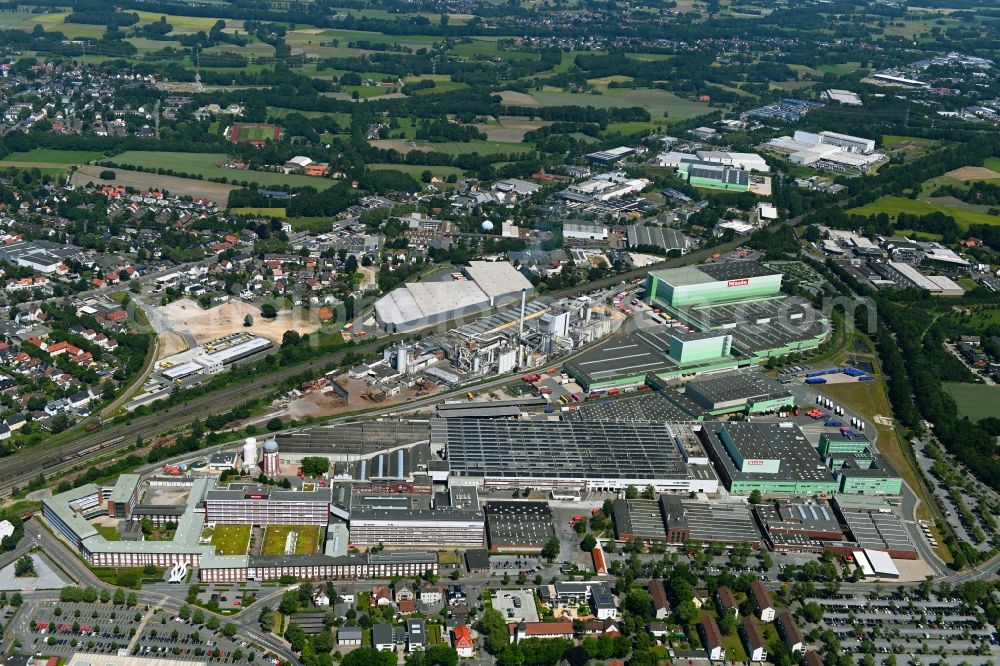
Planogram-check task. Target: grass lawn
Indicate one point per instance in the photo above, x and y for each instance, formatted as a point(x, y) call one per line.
point(976, 401)
point(992, 163)
point(919, 235)
point(317, 224)
point(869, 399)
point(205, 165)
point(51, 157)
point(267, 212)
point(416, 169)
point(275, 535)
point(893, 206)
point(841, 69)
point(895, 141)
point(231, 539)
point(108, 532)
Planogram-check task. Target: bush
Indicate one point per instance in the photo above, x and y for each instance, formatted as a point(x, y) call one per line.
point(107, 174)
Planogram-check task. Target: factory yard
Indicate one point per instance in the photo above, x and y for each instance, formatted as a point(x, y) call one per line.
point(170, 343)
point(227, 318)
point(322, 403)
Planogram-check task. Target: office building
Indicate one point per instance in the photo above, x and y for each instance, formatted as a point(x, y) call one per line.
point(266, 505)
point(452, 518)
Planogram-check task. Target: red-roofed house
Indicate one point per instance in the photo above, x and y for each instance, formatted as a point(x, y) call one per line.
point(461, 637)
point(520, 631)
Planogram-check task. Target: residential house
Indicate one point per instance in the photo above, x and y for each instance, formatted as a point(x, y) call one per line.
point(813, 659)
point(603, 602)
point(725, 601)
point(404, 593)
point(657, 629)
point(661, 605)
point(381, 596)
point(383, 637)
point(753, 639)
point(461, 640)
point(761, 599)
point(416, 635)
point(523, 630)
point(601, 628)
point(349, 636)
point(430, 594)
point(711, 637)
point(790, 632)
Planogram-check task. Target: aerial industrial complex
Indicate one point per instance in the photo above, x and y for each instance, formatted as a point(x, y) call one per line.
point(711, 317)
point(444, 481)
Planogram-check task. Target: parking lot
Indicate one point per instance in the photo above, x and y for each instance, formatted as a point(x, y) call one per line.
point(905, 627)
point(61, 629)
point(226, 597)
point(515, 605)
point(168, 636)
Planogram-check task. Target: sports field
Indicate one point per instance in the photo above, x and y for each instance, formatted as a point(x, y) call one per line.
point(253, 133)
point(275, 538)
point(893, 206)
point(231, 539)
point(975, 401)
point(206, 165)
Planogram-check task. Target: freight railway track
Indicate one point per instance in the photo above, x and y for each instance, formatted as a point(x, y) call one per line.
point(25, 465)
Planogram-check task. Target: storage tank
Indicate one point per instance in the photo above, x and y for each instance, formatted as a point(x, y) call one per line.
point(250, 453)
point(271, 461)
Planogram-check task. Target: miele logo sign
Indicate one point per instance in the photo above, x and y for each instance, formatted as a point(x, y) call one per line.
point(738, 283)
point(755, 462)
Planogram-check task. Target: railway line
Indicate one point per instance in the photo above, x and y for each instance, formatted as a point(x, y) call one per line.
point(25, 465)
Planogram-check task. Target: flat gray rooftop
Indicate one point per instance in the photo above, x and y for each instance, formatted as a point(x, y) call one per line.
point(559, 449)
point(733, 386)
point(766, 441)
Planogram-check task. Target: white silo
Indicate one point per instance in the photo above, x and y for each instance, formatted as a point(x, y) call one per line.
point(250, 453)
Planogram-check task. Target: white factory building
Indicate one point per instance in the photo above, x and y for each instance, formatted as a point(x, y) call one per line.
point(212, 357)
point(742, 161)
point(483, 284)
point(831, 150)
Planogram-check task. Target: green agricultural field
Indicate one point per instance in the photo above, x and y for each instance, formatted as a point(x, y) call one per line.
point(976, 401)
point(416, 169)
point(182, 24)
point(275, 536)
point(992, 163)
point(839, 70)
point(265, 212)
point(42, 157)
point(231, 539)
point(655, 101)
point(205, 165)
point(893, 206)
